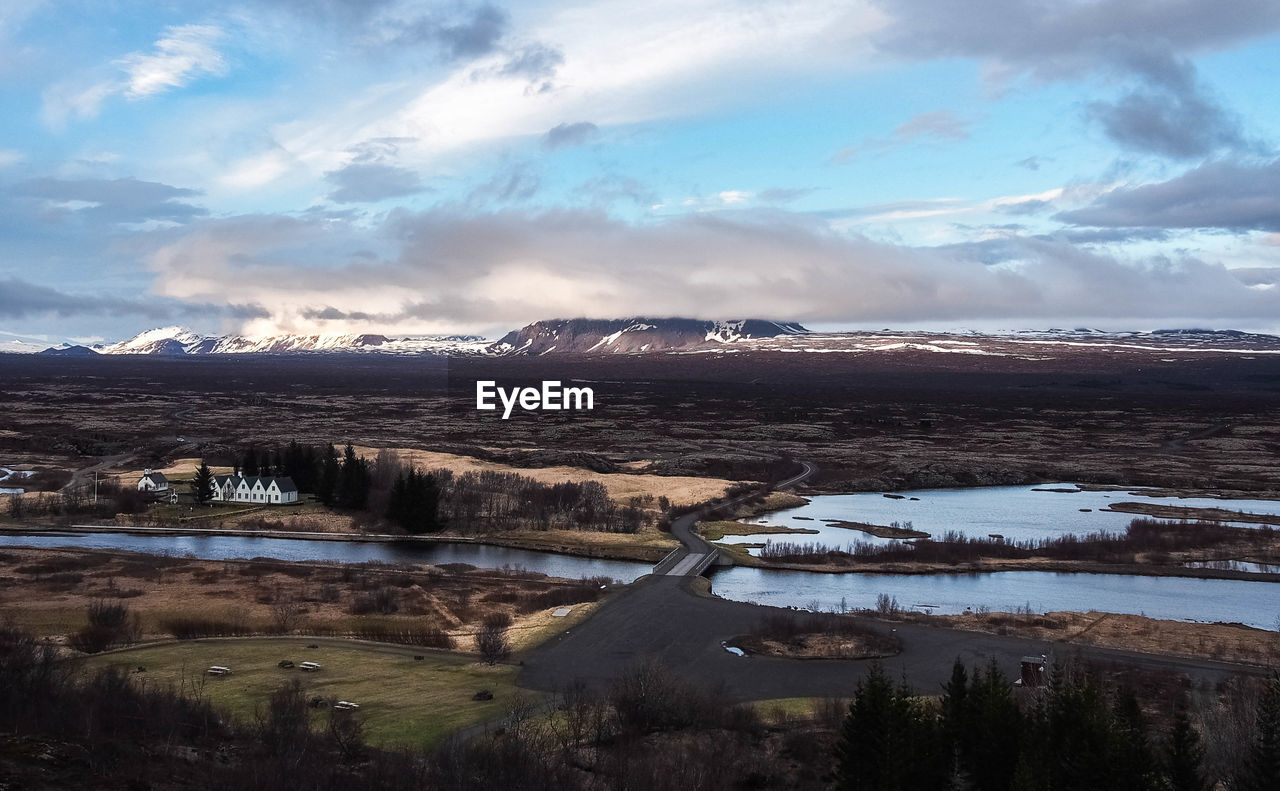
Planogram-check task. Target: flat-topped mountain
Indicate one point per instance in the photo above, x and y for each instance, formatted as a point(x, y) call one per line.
point(635, 335)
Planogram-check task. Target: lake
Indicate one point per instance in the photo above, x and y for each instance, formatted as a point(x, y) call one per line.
point(215, 547)
point(1016, 512)
point(1174, 598)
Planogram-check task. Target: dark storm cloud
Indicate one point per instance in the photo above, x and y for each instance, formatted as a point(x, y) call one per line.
point(112, 200)
point(1225, 195)
point(564, 135)
point(362, 182)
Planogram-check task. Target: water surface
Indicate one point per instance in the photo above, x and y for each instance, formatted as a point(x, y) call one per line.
point(1016, 512)
point(1174, 598)
point(216, 547)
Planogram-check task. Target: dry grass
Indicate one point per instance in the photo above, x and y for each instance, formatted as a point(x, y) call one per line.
point(681, 490)
point(647, 545)
point(1227, 642)
point(179, 470)
point(49, 592)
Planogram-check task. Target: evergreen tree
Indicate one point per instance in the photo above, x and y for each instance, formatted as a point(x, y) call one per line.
point(1261, 771)
point(354, 480)
point(956, 726)
point(249, 462)
point(202, 484)
point(889, 741)
point(1184, 756)
point(414, 502)
point(1133, 762)
point(327, 487)
point(996, 730)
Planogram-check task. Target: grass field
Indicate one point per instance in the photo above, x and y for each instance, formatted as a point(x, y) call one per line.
point(404, 703)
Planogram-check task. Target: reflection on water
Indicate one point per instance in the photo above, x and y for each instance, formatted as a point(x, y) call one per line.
point(1018, 513)
point(1175, 598)
point(213, 547)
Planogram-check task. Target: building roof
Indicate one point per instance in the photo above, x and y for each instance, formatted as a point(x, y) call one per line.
point(283, 482)
point(155, 477)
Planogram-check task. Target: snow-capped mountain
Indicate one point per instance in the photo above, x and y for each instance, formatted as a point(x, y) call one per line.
point(634, 336)
point(692, 337)
point(181, 341)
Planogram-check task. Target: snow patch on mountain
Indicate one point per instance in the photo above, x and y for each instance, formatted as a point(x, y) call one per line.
point(181, 341)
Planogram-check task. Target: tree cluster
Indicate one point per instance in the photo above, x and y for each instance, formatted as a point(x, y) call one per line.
point(1075, 733)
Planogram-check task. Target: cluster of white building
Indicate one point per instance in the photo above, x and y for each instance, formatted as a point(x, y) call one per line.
point(234, 488)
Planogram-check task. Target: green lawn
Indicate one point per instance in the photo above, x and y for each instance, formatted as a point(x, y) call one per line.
point(405, 703)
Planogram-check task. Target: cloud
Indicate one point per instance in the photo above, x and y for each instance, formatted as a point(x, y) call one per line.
point(1258, 275)
point(363, 182)
point(775, 195)
point(1170, 114)
point(603, 192)
point(1225, 195)
point(452, 269)
point(21, 299)
point(936, 124)
point(184, 53)
point(533, 61)
point(462, 33)
point(514, 184)
point(125, 200)
point(1056, 41)
point(181, 55)
point(1030, 163)
point(565, 135)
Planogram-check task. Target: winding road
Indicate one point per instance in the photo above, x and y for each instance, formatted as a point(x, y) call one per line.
point(667, 616)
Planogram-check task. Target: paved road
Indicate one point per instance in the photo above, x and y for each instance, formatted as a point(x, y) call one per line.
point(666, 616)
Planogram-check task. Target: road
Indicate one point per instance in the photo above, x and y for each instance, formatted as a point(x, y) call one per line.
point(667, 616)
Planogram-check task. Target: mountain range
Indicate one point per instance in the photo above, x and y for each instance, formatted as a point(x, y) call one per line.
point(683, 336)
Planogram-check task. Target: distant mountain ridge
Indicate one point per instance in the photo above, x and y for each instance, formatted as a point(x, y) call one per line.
point(641, 336)
point(181, 341)
point(635, 335)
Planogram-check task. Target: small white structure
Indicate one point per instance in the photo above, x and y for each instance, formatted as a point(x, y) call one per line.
point(153, 482)
point(218, 670)
point(308, 667)
point(346, 705)
point(260, 489)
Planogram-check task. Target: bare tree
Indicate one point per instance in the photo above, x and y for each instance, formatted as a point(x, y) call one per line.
point(491, 640)
point(287, 614)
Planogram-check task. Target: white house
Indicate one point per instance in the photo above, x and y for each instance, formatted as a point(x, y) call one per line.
point(153, 482)
point(261, 489)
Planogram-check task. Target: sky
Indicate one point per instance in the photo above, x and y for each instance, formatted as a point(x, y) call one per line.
point(337, 166)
